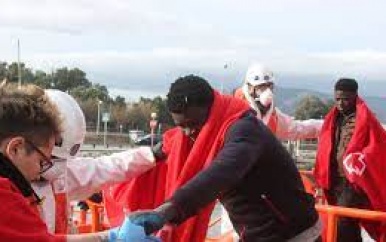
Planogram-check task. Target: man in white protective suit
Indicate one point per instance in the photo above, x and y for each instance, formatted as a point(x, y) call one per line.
point(76, 178)
point(257, 89)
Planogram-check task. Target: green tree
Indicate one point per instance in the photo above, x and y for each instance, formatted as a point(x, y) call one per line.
point(139, 115)
point(163, 114)
point(90, 110)
point(13, 75)
point(65, 79)
point(311, 107)
point(95, 92)
point(119, 116)
point(120, 101)
point(42, 79)
point(3, 70)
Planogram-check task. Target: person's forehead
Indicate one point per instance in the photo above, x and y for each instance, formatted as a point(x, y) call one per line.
point(178, 115)
point(181, 115)
point(190, 113)
point(342, 93)
point(49, 145)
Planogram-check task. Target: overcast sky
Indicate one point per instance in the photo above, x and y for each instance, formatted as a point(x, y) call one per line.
point(142, 46)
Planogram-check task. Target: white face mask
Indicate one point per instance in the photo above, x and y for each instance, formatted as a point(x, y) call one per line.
point(265, 98)
point(57, 170)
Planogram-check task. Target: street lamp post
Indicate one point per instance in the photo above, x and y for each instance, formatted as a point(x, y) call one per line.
point(105, 134)
point(99, 116)
point(105, 119)
point(222, 81)
point(18, 63)
point(153, 125)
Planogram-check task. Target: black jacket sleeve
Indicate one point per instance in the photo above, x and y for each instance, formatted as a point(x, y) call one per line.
point(243, 146)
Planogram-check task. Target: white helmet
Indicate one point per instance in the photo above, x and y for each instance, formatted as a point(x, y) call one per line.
point(258, 74)
point(73, 124)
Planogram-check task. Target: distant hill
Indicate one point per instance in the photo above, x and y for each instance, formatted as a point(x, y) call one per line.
point(288, 98)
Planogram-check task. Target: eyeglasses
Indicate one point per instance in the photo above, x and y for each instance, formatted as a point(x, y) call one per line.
point(45, 162)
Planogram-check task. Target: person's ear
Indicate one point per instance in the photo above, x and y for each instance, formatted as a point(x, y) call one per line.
point(15, 146)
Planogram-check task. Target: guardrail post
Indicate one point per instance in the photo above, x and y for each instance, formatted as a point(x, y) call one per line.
point(331, 226)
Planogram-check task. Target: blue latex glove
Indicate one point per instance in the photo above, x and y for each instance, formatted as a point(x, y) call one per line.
point(150, 220)
point(129, 232)
point(113, 234)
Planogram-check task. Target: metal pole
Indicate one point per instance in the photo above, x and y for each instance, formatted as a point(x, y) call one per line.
point(99, 117)
point(18, 63)
point(152, 137)
point(153, 117)
point(105, 135)
point(223, 79)
point(52, 78)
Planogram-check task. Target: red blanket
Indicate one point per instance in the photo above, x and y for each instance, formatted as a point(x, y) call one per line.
point(364, 159)
point(184, 161)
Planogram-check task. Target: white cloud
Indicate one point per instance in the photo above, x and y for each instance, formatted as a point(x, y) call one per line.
point(82, 16)
point(354, 56)
point(366, 62)
point(145, 44)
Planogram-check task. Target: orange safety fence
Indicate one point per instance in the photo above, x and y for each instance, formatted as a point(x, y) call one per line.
point(96, 216)
point(331, 214)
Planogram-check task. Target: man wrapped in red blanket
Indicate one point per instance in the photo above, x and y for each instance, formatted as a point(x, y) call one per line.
point(350, 164)
point(220, 151)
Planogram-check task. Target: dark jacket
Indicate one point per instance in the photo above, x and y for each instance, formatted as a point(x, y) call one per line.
point(257, 181)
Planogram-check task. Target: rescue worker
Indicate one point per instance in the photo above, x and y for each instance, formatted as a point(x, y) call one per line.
point(76, 178)
point(258, 91)
point(30, 127)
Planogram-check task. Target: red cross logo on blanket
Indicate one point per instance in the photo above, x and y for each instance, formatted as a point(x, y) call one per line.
point(355, 163)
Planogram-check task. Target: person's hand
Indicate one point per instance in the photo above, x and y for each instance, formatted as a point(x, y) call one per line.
point(129, 232)
point(158, 152)
point(83, 205)
point(150, 220)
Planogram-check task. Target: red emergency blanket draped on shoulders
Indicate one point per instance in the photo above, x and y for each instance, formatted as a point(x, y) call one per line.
point(364, 159)
point(20, 219)
point(185, 160)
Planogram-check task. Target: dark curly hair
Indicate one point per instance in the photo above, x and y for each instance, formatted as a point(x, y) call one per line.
point(189, 91)
point(346, 84)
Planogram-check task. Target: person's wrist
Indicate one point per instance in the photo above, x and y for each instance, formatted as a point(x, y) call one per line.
point(168, 212)
point(158, 153)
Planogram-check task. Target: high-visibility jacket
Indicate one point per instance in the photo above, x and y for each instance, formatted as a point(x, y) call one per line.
point(83, 176)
